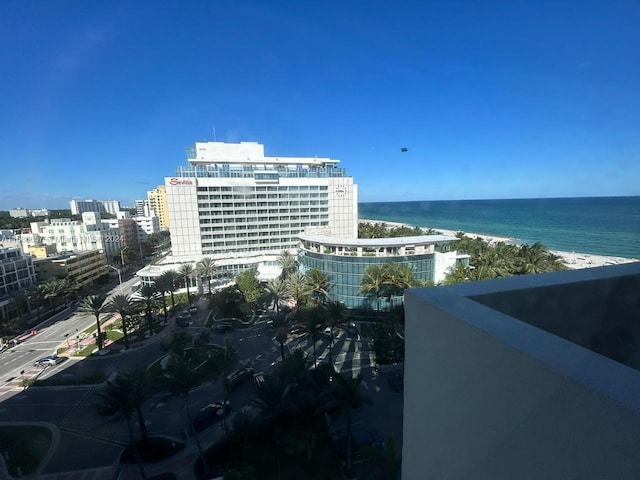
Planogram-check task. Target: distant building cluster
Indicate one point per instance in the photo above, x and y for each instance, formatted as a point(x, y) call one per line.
point(242, 209)
point(78, 250)
point(26, 212)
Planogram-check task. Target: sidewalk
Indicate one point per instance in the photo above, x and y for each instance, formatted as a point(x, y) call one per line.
point(181, 464)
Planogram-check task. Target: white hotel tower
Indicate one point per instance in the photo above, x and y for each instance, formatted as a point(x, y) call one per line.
point(242, 209)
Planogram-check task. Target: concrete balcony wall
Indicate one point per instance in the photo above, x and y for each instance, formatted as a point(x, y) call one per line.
point(488, 396)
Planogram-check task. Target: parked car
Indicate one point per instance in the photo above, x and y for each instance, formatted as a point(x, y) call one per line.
point(211, 414)
point(328, 332)
point(193, 308)
point(240, 376)
point(49, 361)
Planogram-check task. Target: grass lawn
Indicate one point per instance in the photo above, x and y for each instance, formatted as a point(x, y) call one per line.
point(26, 445)
point(114, 335)
point(86, 351)
point(89, 330)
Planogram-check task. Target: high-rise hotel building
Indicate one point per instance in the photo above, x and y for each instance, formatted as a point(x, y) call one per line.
point(241, 208)
point(157, 199)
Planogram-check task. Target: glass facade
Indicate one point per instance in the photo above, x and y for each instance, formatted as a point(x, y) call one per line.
point(346, 272)
point(260, 172)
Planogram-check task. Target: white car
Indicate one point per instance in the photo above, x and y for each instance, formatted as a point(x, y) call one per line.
point(49, 361)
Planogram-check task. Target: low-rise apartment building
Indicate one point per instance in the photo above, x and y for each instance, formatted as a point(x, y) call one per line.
point(81, 268)
point(72, 236)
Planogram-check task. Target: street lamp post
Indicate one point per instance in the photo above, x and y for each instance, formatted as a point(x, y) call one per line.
point(119, 276)
point(122, 257)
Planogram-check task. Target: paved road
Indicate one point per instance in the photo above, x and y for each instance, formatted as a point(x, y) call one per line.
point(101, 440)
point(64, 326)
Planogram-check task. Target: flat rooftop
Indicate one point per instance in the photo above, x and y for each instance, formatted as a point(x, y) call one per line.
point(377, 242)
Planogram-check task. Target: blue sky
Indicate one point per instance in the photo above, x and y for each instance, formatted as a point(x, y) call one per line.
point(493, 99)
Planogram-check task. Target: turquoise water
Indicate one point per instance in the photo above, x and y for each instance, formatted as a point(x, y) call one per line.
point(600, 225)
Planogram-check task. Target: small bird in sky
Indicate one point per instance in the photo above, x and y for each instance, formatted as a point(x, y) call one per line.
point(404, 149)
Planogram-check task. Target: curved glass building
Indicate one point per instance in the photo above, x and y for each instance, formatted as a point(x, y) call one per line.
point(346, 259)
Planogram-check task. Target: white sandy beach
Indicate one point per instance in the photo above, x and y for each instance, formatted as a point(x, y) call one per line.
point(573, 260)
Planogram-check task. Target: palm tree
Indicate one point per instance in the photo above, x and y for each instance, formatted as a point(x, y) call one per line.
point(297, 287)
point(533, 259)
point(186, 271)
point(275, 292)
point(36, 297)
point(206, 268)
point(148, 294)
point(319, 284)
point(21, 300)
point(280, 325)
point(53, 289)
point(163, 285)
point(310, 318)
point(274, 397)
point(372, 283)
point(180, 377)
point(457, 274)
point(95, 305)
point(397, 279)
point(225, 360)
point(336, 312)
point(172, 276)
point(118, 397)
point(143, 385)
point(346, 394)
point(288, 263)
point(123, 305)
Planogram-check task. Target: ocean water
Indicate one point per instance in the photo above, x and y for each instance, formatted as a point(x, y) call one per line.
point(598, 225)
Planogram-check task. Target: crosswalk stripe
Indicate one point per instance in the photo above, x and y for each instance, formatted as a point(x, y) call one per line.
point(347, 353)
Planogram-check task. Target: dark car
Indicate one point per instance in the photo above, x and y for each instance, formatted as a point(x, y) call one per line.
point(240, 376)
point(193, 308)
point(210, 414)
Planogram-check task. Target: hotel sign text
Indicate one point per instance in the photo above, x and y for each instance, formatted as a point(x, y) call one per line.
point(177, 181)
